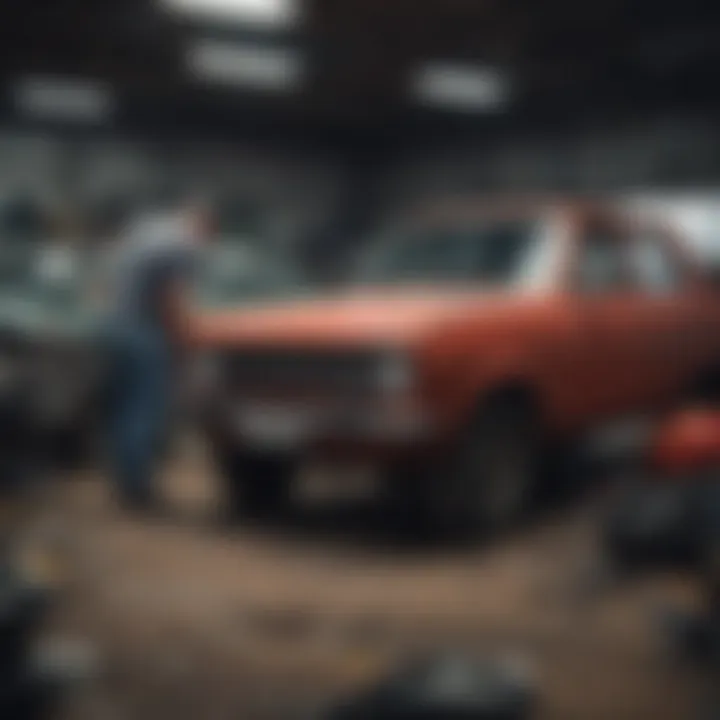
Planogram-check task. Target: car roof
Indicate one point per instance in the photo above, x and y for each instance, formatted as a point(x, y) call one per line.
point(470, 207)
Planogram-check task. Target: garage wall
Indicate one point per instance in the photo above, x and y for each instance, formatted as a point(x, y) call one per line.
point(291, 194)
point(673, 152)
point(305, 199)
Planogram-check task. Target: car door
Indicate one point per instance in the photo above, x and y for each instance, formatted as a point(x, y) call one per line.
point(610, 350)
point(666, 311)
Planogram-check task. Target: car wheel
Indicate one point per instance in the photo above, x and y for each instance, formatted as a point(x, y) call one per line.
point(484, 483)
point(255, 487)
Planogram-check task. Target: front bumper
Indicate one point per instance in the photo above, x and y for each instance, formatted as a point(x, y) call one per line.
point(305, 426)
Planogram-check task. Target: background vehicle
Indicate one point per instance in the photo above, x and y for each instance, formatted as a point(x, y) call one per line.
point(45, 314)
point(236, 270)
point(478, 339)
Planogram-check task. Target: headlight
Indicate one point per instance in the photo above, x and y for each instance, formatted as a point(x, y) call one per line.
point(395, 373)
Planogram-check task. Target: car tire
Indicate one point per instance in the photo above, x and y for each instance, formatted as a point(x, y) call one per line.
point(255, 487)
point(484, 482)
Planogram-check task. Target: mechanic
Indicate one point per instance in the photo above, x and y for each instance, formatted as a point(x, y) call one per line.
point(147, 330)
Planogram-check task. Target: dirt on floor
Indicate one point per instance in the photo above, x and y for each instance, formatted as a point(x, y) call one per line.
point(189, 619)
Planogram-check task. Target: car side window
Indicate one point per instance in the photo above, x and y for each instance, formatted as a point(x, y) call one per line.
point(653, 267)
point(601, 264)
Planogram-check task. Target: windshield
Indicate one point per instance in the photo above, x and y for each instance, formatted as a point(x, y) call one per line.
point(237, 273)
point(493, 253)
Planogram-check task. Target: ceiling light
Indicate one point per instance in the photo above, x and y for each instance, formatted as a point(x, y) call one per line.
point(64, 99)
point(250, 65)
point(460, 87)
point(266, 13)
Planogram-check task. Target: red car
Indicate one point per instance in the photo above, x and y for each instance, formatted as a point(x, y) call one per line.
point(478, 337)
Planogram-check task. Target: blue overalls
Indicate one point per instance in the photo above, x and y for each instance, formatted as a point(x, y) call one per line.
point(141, 368)
point(140, 372)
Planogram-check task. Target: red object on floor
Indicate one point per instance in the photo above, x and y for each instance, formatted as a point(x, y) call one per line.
point(689, 441)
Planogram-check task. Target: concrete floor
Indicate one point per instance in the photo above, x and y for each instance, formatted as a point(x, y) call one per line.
point(194, 621)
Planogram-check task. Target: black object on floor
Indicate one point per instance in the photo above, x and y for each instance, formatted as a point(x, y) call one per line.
point(25, 692)
point(18, 444)
point(696, 637)
point(22, 606)
point(444, 688)
point(652, 526)
point(28, 696)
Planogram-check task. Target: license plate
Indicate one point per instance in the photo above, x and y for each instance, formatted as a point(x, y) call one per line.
point(275, 428)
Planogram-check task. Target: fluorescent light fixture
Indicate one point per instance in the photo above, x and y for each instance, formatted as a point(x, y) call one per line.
point(255, 66)
point(64, 99)
point(263, 13)
point(460, 87)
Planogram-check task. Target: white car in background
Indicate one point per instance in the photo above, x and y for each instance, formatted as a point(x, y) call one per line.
point(57, 356)
point(237, 271)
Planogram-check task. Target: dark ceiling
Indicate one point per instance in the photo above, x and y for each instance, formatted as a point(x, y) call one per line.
point(567, 59)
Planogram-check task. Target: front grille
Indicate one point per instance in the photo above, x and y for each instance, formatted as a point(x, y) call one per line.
point(303, 371)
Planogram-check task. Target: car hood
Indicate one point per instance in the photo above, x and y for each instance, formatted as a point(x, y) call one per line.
point(362, 317)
